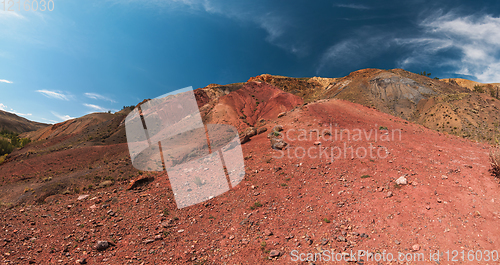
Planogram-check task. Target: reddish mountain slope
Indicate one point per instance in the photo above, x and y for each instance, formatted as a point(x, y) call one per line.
point(14, 123)
point(249, 104)
point(290, 203)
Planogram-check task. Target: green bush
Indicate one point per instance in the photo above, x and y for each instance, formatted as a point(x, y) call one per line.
point(5, 147)
point(479, 89)
point(10, 140)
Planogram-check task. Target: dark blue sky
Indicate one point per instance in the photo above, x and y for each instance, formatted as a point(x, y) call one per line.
point(87, 56)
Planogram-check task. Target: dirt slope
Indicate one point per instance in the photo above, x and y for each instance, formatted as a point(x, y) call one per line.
point(467, 83)
point(14, 123)
point(246, 106)
point(286, 201)
point(436, 104)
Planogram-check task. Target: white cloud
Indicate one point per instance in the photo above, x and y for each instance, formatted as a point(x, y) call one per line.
point(353, 52)
point(6, 81)
point(477, 38)
point(53, 94)
point(276, 22)
point(52, 121)
point(354, 6)
point(96, 107)
point(4, 108)
point(4, 15)
point(97, 96)
point(62, 117)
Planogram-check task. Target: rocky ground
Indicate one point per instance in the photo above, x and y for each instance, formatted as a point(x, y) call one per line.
point(422, 192)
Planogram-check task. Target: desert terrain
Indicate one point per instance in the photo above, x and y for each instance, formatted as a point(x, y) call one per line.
point(397, 163)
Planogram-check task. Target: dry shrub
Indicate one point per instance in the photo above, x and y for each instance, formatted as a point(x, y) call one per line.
point(495, 160)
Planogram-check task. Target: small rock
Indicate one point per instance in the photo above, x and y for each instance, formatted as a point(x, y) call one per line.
point(274, 253)
point(444, 177)
point(428, 207)
point(397, 242)
point(82, 197)
point(317, 143)
point(180, 231)
point(250, 131)
point(415, 247)
point(141, 179)
point(111, 213)
point(439, 200)
point(389, 194)
point(401, 181)
point(244, 138)
point(281, 114)
point(158, 237)
point(148, 241)
point(261, 130)
point(231, 237)
point(268, 232)
point(341, 239)
point(81, 261)
point(101, 245)
point(278, 128)
point(277, 143)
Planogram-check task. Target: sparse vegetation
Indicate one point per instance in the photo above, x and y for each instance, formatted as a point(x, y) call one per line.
point(478, 89)
point(263, 245)
point(326, 220)
point(255, 205)
point(424, 73)
point(10, 140)
point(366, 176)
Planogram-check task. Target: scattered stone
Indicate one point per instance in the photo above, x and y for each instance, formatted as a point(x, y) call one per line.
point(141, 179)
point(111, 213)
point(158, 237)
point(261, 130)
point(415, 247)
point(148, 241)
point(231, 237)
point(167, 224)
point(244, 138)
point(428, 207)
point(106, 183)
point(444, 177)
point(278, 128)
point(101, 245)
point(317, 143)
point(439, 200)
point(397, 242)
point(250, 131)
point(389, 194)
point(401, 181)
point(268, 232)
point(81, 261)
point(82, 197)
point(180, 231)
point(278, 143)
point(341, 239)
point(274, 253)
